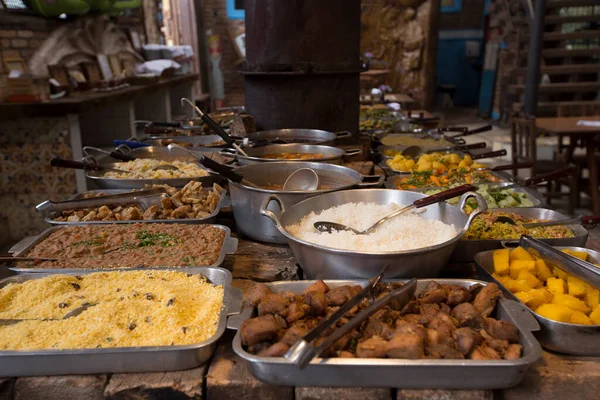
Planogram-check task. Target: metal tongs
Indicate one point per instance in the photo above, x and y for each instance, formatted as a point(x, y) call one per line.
point(303, 351)
point(145, 198)
point(583, 270)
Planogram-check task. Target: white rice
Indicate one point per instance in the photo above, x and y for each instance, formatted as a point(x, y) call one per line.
point(405, 232)
point(141, 168)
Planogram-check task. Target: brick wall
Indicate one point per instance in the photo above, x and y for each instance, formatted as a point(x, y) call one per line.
point(21, 35)
point(469, 17)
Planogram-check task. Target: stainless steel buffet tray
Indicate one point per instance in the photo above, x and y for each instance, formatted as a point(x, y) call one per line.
point(409, 374)
point(532, 195)
point(583, 340)
point(224, 201)
point(21, 249)
point(466, 250)
point(123, 359)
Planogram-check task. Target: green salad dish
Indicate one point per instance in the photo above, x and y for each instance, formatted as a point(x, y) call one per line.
point(495, 197)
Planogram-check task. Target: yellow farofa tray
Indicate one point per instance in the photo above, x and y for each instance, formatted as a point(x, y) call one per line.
point(150, 324)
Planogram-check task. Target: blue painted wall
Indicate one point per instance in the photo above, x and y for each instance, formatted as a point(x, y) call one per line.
point(454, 68)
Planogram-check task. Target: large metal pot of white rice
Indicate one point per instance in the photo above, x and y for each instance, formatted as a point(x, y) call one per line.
point(322, 262)
point(246, 200)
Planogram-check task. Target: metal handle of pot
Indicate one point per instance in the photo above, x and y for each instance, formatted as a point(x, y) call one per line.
point(235, 321)
point(481, 207)
point(571, 265)
point(353, 152)
point(234, 302)
point(342, 134)
point(268, 213)
point(379, 181)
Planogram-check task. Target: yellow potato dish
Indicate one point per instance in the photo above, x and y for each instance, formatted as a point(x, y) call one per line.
point(439, 162)
point(546, 289)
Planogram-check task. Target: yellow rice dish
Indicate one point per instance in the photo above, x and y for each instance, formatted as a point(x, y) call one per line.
point(132, 308)
point(142, 168)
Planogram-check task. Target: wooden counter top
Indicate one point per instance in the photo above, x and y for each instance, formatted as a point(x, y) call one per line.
point(78, 103)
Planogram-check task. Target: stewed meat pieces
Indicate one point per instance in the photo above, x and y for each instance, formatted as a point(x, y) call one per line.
point(442, 322)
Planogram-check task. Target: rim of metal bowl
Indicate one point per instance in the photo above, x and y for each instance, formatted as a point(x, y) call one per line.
point(373, 253)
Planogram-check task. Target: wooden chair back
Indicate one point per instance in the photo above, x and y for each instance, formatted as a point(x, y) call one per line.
point(523, 141)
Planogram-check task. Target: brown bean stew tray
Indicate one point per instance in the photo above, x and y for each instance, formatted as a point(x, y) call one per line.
point(126, 246)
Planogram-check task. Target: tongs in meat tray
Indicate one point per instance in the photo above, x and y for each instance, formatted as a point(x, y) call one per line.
point(303, 351)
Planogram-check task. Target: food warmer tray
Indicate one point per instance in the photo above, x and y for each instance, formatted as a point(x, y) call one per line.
point(503, 178)
point(394, 373)
point(123, 359)
point(224, 201)
point(21, 249)
point(583, 340)
point(376, 139)
point(532, 195)
point(195, 141)
point(466, 250)
point(155, 152)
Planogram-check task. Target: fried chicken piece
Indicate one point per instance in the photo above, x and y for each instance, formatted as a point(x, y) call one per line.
point(513, 352)
point(428, 312)
point(486, 299)
point(260, 329)
point(276, 350)
point(293, 334)
point(317, 301)
point(273, 303)
point(405, 345)
point(466, 315)
point(457, 295)
point(131, 213)
point(376, 327)
point(466, 339)
point(474, 290)
point(339, 295)
point(256, 293)
point(445, 308)
point(403, 326)
point(497, 344)
point(289, 295)
point(167, 204)
point(296, 311)
point(483, 352)
point(181, 212)
point(374, 347)
point(439, 295)
point(443, 323)
point(91, 216)
point(502, 330)
point(318, 286)
point(414, 318)
point(151, 212)
point(346, 354)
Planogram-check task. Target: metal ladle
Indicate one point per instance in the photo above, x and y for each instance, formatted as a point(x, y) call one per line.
point(330, 227)
point(302, 180)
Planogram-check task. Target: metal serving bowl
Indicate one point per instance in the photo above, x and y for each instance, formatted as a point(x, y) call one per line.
point(331, 155)
point(320, 262)
point(556, 336)
point(246, 200)
point(314, 136)
point(156, 152)
point(467, 249)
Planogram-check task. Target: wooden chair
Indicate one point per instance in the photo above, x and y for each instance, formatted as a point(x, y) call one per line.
point(524, 136)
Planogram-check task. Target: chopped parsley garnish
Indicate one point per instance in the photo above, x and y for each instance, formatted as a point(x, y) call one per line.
point(161, 239)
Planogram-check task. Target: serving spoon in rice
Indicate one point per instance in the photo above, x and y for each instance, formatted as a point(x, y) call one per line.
point(330, 227)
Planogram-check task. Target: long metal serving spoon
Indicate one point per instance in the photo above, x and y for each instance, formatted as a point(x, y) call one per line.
point(324, 226)
point(214, 126)
point(589, 220)
point(73, 313)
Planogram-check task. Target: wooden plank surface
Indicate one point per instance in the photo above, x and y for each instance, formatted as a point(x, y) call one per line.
point(567, 125)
